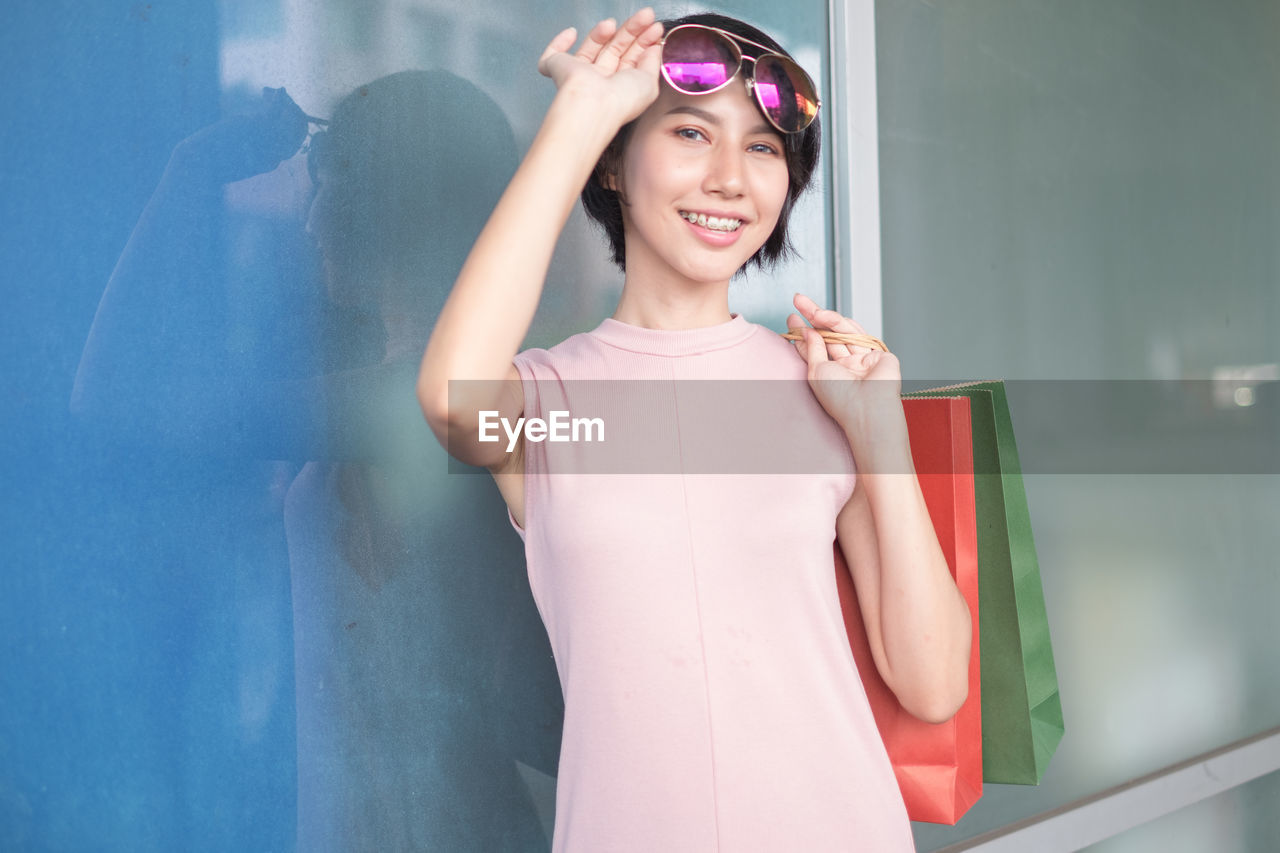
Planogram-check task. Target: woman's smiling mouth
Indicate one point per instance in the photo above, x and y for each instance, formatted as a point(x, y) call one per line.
point(717, 231)
point(713, 223)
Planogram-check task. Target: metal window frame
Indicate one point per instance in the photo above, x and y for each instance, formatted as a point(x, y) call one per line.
point(855, 162)
point(1116, 810)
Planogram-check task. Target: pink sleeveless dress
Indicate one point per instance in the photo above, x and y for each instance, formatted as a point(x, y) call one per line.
point(711, 700)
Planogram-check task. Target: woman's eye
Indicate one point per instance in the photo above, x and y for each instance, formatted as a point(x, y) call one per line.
point(764, 148)
point(689, 133)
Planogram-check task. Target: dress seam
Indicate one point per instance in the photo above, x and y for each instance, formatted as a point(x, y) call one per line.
point(533, 466)
point(697, 603)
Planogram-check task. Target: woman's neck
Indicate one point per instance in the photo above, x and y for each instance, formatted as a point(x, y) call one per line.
point(673, 308)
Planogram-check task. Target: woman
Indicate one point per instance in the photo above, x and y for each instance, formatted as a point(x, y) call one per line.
point(710, 697)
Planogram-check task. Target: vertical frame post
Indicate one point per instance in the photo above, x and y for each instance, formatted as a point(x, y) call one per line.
point(855, 162)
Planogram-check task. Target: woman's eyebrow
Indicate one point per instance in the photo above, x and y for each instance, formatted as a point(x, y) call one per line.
point(712, 118)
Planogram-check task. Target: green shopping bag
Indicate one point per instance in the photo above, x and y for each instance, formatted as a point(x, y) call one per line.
point(1021, 709)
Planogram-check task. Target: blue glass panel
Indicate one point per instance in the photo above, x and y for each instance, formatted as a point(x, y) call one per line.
point(246, 606)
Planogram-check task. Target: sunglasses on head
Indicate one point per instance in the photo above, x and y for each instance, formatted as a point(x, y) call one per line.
point(315, 145)
point(697, 60)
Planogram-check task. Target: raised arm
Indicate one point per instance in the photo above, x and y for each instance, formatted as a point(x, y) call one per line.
point(609, 81)
point(156, 365)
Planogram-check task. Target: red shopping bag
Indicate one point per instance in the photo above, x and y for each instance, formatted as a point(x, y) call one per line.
point(939, 767)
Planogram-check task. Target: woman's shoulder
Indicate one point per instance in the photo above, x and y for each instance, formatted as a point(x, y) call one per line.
point(770, 356)
point(572, 350)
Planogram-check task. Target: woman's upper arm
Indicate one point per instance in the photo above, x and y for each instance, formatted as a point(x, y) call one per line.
point(457, 422)
point(508, 472)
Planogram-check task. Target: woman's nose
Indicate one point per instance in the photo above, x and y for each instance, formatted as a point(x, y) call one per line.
point(724, 176)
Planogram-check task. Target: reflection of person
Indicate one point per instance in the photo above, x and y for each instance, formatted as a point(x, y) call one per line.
point(159, 361)
point(203, 715)
point(710, 696)
point(410, 631)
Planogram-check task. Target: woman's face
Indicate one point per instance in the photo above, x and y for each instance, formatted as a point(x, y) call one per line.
point(694, 156)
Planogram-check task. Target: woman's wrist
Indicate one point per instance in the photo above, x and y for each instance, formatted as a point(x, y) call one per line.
point(878, 437)
point(586, 111)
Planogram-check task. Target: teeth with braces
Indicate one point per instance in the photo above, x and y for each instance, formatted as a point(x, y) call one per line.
point(715, 223)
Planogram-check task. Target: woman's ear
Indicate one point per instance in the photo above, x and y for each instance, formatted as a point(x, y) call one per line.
point(609, 167)
point(611, 180)
point(607, 174)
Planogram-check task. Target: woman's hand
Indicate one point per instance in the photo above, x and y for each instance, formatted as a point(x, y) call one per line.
point(619, 66)
point(851, 382)
point(242, 146)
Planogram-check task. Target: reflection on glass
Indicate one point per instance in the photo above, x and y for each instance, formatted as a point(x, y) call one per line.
point(248, 608)
point(418, 688)
point(412, 633)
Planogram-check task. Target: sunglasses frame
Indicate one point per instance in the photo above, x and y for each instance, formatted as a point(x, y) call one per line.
point(321, 130)
point(733, 39)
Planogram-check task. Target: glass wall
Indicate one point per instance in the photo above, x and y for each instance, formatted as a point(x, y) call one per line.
point(1090, 191)
point(246, 606)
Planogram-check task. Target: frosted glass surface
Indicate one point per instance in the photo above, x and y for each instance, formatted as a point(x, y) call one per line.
point(1088, 190)
point(245, 606)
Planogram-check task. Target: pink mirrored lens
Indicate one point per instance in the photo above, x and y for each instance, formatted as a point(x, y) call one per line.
point(696, 76)
point(696, 60)
point(785, 93)
point(768, 95)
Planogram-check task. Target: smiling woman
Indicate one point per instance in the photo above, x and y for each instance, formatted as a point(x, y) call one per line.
point(711, 700)
point(687, 170)
point(800, 149)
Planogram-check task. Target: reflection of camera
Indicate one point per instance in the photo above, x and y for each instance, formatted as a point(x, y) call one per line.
point(241, 146)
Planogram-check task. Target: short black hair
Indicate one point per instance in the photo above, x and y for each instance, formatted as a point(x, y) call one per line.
point(801, 150)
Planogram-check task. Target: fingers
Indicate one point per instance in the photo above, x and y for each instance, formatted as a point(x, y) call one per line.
point(646, 40)
point(815, 351)
point(825, 318)
point(608, 57)
point(597, 39)
point(811, 346)
point(562, 42)
point(796, 324)
point(650, 61)
point(610, 47)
